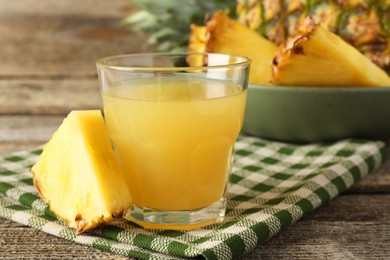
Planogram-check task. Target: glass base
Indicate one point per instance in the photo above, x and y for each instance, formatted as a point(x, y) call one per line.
point(177, 220)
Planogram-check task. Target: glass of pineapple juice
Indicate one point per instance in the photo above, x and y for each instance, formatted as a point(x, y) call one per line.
point(173, 119)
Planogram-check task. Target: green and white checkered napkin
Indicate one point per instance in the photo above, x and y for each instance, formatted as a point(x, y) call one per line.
point(273, 184)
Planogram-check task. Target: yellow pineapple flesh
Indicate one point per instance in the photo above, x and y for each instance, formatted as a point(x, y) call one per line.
point(197, 38)
point(196, 44)
point(317, 57)
point(225, 35)
point(78, 175)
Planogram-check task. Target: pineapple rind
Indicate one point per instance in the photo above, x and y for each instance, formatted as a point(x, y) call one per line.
point(225, 35)
point(318, 57)
point(77, 173)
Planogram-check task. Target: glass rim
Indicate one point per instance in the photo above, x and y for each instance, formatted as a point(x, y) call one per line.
point(105, 62)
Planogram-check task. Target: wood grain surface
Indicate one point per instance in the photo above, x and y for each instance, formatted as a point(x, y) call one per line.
point(47, 68)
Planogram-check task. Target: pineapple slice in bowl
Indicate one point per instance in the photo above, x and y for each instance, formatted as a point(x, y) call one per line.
point(315, 56)
point(225, 35)
point(78, 175)
point(324, 89)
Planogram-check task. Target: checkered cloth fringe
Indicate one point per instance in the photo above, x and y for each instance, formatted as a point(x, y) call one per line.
point(272, 185)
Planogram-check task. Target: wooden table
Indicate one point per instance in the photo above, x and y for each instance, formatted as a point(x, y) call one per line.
point(47, 68)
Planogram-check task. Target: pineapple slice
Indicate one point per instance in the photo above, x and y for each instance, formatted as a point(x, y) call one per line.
point(318, 57)
point(78, 175)
point(225, 35)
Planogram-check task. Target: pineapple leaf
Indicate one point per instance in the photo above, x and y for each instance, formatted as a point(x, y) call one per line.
point(168, 21)
point(137, 17)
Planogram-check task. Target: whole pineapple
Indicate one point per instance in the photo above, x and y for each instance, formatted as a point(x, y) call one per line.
point(365, 24)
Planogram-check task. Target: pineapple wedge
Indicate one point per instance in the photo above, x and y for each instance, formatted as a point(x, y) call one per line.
point(317, 57)
point(78, 175)
point(225, 35)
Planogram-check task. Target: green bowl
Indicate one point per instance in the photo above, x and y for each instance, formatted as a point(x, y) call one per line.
point(313, 114)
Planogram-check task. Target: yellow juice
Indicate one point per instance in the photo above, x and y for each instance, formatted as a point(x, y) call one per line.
point(175, 139)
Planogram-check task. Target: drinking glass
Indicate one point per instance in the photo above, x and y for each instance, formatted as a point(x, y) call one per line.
point(173, 119)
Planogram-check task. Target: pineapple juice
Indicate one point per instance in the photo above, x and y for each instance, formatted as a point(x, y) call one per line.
point(175, 139)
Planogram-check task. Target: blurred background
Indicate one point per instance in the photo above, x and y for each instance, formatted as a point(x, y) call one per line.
point(48, 51)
